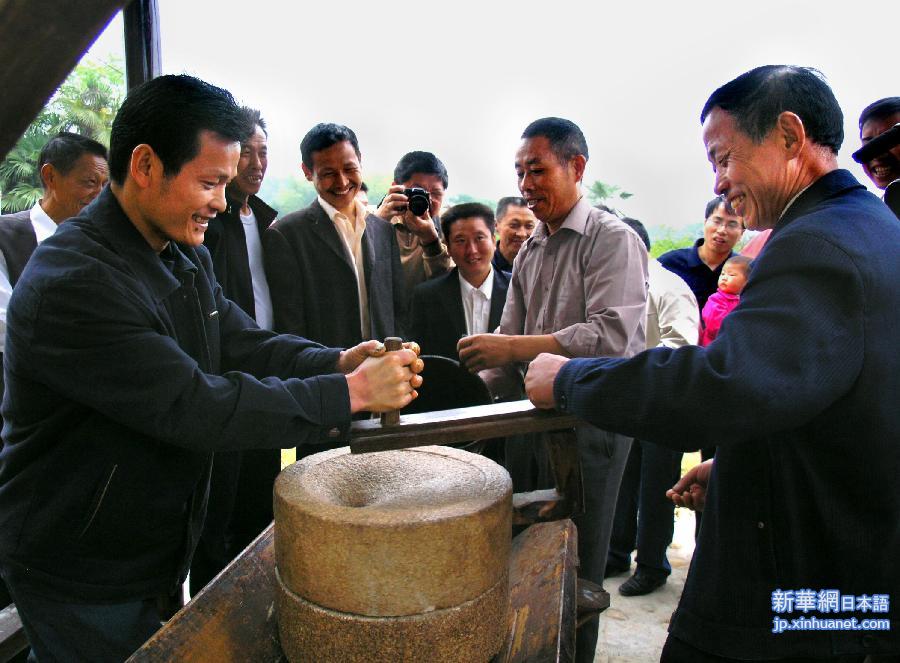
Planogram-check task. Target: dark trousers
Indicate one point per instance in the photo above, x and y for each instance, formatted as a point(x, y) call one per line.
point(603, 456)
point(239, 508)
point(644, 515)
point(678, 651)
point(75, 632)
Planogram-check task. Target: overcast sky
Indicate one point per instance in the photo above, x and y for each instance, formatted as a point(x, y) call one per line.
point(464, 80)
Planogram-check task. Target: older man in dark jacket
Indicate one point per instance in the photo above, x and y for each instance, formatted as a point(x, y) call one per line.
point(797, 556)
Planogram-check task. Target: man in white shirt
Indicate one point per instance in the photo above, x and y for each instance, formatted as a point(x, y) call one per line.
point(73, 170)
point(645, 517)
point(234, 236)
point(469, 299)
point(240, 497)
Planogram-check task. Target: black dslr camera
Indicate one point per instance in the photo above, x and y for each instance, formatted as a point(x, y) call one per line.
point(419, 200)
point(882, 143)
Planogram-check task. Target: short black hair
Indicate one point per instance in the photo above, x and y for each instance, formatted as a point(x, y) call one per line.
point(65, 148)
point(364, 187)
point(420, 162)
point(639, 228)
point(756, 98)
point(324, 135)
point(566, 139)
point(745, 263)
point(879, 110)
point(168, 113)
point(253, 118)
point(713, 205)
point(466, 211)
point(504, 203)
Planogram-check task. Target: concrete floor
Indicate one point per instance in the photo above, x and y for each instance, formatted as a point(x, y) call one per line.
point(633, 629)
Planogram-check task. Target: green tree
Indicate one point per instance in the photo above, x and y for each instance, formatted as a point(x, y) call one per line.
point(601, 193)
point(85, 103)
point(378, 187)
point(665, 238)
point(460, 198)
point(88, 100)
point(287, 194)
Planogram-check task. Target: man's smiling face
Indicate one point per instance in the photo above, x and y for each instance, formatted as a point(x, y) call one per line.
point(336, 174)
point(753, 177)
point(885, 168)
point(178, 207)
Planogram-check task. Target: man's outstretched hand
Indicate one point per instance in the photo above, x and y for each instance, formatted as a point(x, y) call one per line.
point(353, 357)
point(381, 381)
point(539, 379)
point(690, 491)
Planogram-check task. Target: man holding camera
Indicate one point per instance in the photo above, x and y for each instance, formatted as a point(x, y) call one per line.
point(412, 206)
point(879, 131)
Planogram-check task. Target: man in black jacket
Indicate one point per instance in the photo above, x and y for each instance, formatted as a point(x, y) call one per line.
point(126, 368)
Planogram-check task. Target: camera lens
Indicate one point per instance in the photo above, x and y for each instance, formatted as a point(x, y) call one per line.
point(419, 200)
point(418, 205)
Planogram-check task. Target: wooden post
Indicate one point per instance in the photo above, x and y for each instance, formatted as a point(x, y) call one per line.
point(142, 52)
point(392, 418)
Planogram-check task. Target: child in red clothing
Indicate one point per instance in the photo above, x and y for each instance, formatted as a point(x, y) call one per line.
point(722, 302)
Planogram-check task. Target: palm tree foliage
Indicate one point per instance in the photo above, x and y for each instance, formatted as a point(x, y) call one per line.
point(85, 103)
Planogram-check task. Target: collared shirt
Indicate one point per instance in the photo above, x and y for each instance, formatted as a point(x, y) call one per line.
point(688, 264)
point(477, 303)
point(262, 300)
point(351, 232)
point(43, 226)
point(673, 319)
point(586, 284)
point(791, 201)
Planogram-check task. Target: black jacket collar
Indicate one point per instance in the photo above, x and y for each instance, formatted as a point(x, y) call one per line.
point(107, 216)
point(829, 185)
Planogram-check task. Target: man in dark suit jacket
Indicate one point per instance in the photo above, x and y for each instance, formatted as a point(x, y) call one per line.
point(799, 391)
point(334, 271)
point(439, 315)
point(73, 170)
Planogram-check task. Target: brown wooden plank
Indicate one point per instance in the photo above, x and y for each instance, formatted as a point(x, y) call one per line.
point(143, 59)
point(459, 425)
point(41, 41)
point(542, 601)
point(231, 620)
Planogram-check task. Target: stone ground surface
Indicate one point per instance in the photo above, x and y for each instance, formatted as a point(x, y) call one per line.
point(633, 629)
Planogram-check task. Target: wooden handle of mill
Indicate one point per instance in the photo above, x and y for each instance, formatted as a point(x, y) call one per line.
point(391, 344)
